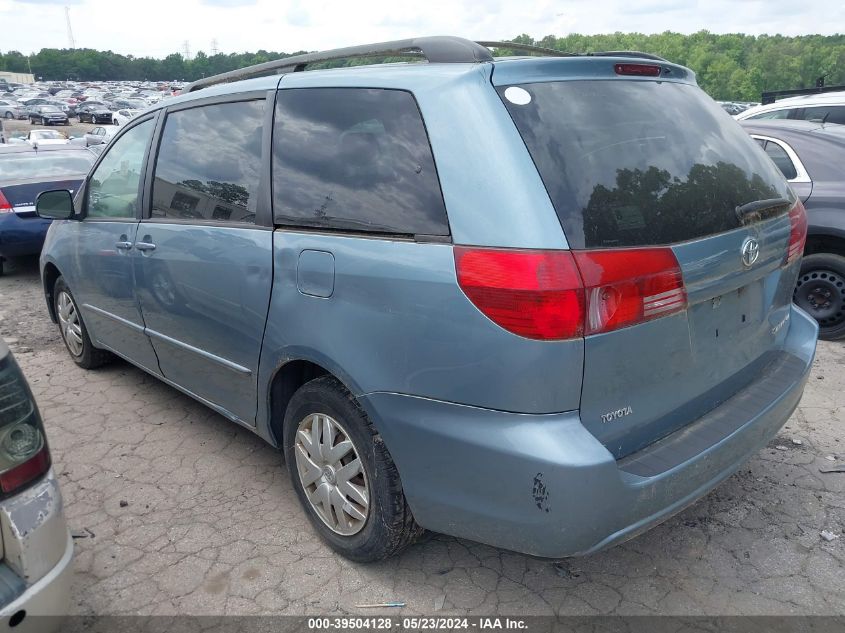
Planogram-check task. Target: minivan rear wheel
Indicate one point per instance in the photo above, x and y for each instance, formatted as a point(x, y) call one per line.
point(343, 474)
point(820, 291)
point(73, 331)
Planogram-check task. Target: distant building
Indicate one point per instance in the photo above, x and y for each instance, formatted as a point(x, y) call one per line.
point(16, 78)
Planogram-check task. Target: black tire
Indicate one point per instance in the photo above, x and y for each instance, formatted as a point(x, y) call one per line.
point(820, 291)
point(9, 116)
point(390, 526)
point(89, 357)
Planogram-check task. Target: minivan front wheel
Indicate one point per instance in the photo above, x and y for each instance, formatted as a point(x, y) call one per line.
point(73, 331)
point(820, 291)
point(343, 475)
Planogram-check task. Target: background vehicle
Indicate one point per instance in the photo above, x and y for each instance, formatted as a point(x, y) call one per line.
point(827, 106)
point(12, 110)
point(45, 137)
point(812, 157)
point(93, 112)
point(560, 322)
point(47, 115)
point(100, 134)
point(24, 173)
point(36, 567)
point(123, 116)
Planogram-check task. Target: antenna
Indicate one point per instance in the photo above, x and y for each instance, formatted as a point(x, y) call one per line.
point(186, 50)
point(214, 50)
point(70, 39)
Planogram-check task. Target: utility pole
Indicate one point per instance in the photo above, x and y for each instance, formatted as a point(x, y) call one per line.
point(71, 42)
point(186, 50)
point(214, 50)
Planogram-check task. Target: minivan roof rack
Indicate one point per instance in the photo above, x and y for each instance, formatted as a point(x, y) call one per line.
point(515, 46)
point(435, 49)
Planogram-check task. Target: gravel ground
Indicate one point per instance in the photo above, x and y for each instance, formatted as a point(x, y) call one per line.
point(210, 524)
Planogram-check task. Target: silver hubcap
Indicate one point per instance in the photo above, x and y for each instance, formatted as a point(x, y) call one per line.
point(69, 323)
point(331, 474)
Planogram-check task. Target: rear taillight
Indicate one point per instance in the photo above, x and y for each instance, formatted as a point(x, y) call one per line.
point(24, 455)
point(629, 286)
point(637, 70)
point(797, 232)
point(536, 294)
point(5, 207)
point(555, 295)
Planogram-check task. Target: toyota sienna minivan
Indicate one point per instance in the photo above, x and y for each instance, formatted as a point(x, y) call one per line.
point(538, 302)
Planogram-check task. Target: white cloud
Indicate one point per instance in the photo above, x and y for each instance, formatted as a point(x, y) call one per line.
point(159, 27)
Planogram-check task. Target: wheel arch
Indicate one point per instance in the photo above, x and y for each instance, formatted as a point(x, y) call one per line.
point(48, 277)
point(825, 243)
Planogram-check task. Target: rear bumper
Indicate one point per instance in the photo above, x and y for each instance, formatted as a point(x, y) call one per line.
point(543, 485)
point(21, 235)
point(37, 559)
point(50, 596)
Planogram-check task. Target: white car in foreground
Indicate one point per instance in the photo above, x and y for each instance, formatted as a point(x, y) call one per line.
point(827, 106)
point(46, 137)
point(36, 568)
point(123, 116)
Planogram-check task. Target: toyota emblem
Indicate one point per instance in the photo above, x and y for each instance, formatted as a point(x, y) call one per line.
point(750, 251)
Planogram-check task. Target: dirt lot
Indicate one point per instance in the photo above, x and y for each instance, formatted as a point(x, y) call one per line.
point(210, 524)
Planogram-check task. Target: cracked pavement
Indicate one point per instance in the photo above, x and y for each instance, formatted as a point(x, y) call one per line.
point(185, 512)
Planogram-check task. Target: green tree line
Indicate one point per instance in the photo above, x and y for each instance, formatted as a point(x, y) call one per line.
point(728, 66)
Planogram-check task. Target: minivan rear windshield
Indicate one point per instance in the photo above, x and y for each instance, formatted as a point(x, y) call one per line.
point(635, 163)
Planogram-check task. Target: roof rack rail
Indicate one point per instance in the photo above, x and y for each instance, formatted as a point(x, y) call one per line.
point(444, 49)
point(515, 46)
point(771, 96)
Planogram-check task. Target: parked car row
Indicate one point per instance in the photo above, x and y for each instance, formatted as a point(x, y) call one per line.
point(111, 103)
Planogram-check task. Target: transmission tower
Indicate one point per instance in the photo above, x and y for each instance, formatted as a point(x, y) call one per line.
point(214, 50)
point(71, 42)
point(186, 50)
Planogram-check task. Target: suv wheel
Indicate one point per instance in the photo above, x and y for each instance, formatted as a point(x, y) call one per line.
point(343, 475)
point(73, 331)
point(821, 292)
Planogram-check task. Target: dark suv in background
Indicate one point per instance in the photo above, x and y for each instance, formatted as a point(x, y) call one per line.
point(811, 156)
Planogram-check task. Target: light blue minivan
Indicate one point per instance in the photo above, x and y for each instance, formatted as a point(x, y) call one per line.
point(540, 302)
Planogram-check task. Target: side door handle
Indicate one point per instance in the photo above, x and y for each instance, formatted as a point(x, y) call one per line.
point(124, 244)
point(145, 246)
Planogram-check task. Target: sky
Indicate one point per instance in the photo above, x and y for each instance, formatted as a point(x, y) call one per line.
point(157, 28)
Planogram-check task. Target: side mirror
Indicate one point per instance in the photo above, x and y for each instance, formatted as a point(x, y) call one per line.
point(54, 205)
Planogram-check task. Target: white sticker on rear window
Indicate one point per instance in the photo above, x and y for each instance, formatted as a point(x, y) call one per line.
point(517, 95)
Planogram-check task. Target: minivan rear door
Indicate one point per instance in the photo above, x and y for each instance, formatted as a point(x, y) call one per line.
point(631, 163)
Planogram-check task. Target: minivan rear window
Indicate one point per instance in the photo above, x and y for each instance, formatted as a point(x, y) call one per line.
point(635, 163)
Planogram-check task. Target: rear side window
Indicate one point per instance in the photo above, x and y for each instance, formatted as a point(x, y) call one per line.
point(781, 159)
point(635, 163)
point(354, 159)
point(828, 114)
point(774, 114)
point(209, 163)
